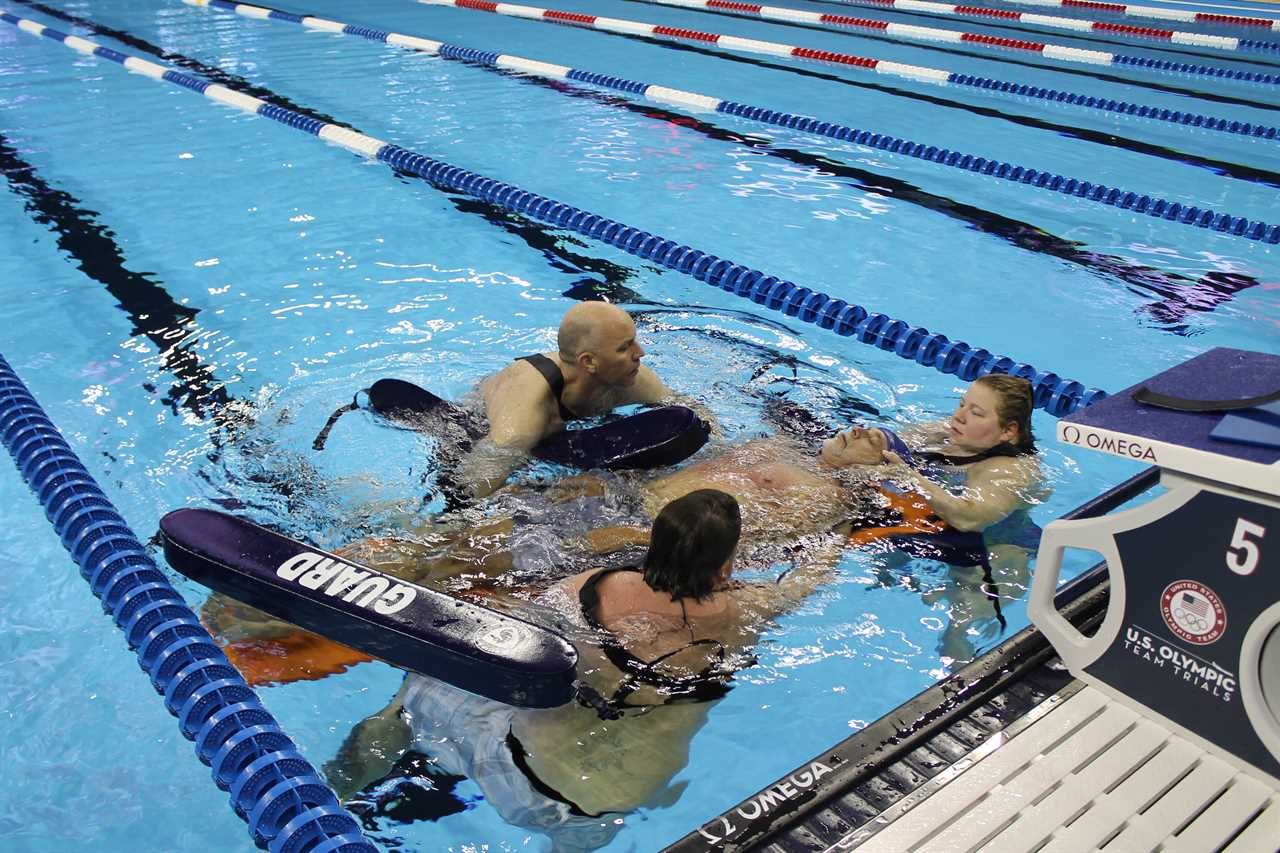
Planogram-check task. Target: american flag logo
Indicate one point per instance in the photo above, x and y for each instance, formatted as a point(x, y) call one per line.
point(1198, 606)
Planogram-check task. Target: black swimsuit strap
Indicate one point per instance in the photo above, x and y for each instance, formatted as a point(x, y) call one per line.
point(704, 686)
point(589, 595)
point(554, 378)
point(1002, 449)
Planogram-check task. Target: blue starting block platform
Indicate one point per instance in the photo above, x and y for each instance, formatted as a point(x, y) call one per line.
point(1237, 447)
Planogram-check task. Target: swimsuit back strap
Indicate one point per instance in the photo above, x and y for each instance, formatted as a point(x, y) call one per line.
point(1004, 448)
point(706, 641)
point(589, 595)
point(554, 377)
point(521, 760)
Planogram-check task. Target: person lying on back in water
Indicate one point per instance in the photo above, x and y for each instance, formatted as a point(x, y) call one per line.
point(596, 368)
point(975, 473)
point(659, 643)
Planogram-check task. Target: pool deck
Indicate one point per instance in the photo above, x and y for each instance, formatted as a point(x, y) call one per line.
point(1031, 759)
point(1088, 774)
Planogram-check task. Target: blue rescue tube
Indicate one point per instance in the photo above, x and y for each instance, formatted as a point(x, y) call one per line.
point(410, 406)
point(650, 439)
point(653, 438)
point(406, 625)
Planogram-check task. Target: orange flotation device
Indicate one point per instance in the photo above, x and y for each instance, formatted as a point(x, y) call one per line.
point(294, 656)
point(302, 656)
point(298, 655)
point(905, 514)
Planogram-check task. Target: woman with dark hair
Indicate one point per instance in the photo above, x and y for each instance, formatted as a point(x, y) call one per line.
point(692, 545)
point(659, 644)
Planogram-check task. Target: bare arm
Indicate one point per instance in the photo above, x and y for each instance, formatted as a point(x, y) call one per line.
point(518, 411)
point(924, 434)
point(369, 751)
point(605, 540)
point(992, 490)
point(811, 567)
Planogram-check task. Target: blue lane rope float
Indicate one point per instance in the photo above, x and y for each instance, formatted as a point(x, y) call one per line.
point(1184, 117)
point(1056, 395)
point(272, 787)
point(1041, 178)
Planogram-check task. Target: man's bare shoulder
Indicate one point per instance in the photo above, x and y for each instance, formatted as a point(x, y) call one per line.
point(518, 382)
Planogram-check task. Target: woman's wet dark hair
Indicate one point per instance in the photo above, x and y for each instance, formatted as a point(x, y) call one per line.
point(693, 537)
point(1014, 407)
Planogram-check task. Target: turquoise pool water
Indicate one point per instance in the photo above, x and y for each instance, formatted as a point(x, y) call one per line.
point(190, 291)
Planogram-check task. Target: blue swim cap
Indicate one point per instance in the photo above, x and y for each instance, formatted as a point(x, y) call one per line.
point(897, 445)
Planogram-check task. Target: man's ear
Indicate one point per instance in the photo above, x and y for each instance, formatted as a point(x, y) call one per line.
point(586, 360)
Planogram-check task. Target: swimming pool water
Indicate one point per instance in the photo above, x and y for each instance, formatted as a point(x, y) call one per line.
point(190, 291)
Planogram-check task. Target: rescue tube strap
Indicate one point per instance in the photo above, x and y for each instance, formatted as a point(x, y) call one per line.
point(323, 437)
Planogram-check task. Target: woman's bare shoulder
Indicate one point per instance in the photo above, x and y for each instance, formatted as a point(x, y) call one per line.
point(1023, 476)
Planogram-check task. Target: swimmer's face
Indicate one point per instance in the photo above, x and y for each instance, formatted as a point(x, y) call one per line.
point(616, 354)
point(854, 446)
point(976, 423)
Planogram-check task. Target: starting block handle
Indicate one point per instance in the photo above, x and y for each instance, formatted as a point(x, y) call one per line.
point(1092, 534)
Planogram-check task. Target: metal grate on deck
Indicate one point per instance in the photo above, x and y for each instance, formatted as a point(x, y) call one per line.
point(1088, 774)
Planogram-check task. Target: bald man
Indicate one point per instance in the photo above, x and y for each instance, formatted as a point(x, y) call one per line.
point(595, 369)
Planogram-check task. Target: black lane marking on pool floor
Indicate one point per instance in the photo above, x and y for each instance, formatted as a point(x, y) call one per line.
point(534, 234)
point(153, 313)
point(1109, 140)
point(1178, 295)
point(610, 284)
point(604, 279)
point(995, 55)
point(1052, 33)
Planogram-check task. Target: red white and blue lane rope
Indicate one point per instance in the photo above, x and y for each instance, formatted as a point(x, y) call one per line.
point(665, 95)
point(1185, 16)
point(1040, 178)
point(1056, 395)
point(1062, 53)
point(880, 66)
point(1079, 25)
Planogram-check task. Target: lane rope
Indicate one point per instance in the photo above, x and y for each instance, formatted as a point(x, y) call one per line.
point(271, 785)
point(1040, 178)
point(1053, 393)
point(880, 66)
point(1062, 53)
point(1079, 25)
point(1185, 16)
